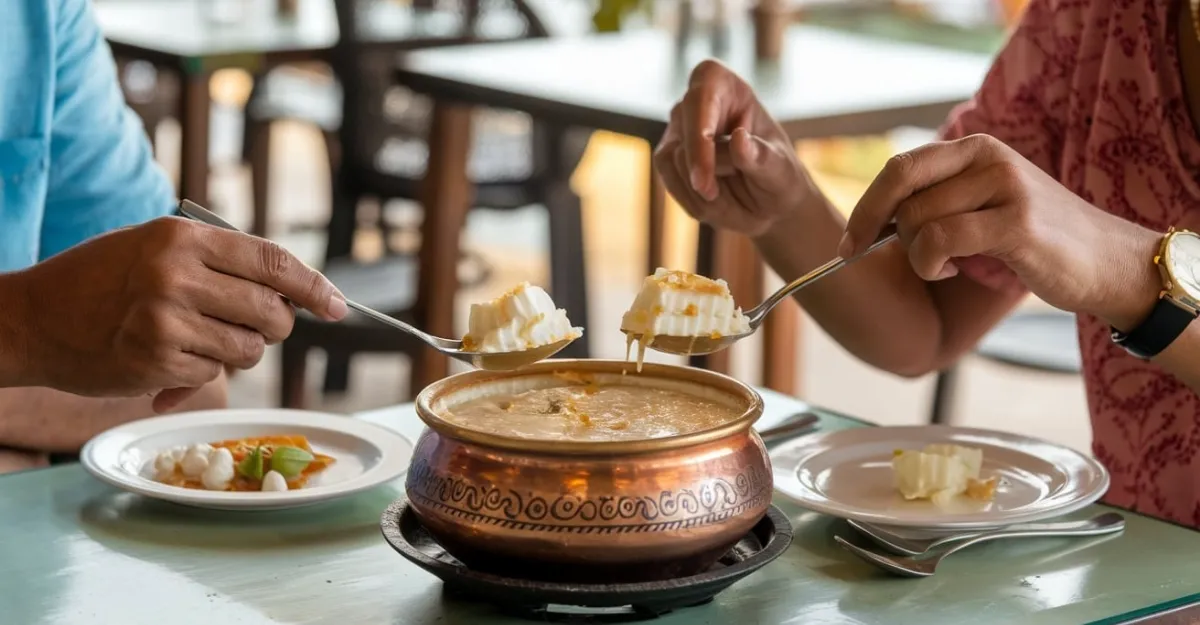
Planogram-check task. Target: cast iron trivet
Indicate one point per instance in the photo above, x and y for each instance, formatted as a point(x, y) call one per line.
point(538, 600)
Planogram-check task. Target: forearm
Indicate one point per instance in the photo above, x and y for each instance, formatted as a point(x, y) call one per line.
point(877, 308)
point(52, 421)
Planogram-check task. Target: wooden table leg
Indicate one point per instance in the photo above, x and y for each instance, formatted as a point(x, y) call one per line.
point(656, 226)
point(736, 261)
point(447, 194)
point(781, 341)
point(195, 106)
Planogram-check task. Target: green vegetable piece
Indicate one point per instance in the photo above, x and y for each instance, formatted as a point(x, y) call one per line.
point(252, 465)
point(290, 461)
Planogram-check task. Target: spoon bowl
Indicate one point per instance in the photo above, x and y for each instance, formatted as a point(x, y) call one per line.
point(493, 361)
point(507, 361)
point(689, 345)
point(701, 345)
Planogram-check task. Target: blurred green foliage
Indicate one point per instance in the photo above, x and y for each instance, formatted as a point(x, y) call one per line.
point(611, 13)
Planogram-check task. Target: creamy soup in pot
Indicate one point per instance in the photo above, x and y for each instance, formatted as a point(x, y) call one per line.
point(586, 411)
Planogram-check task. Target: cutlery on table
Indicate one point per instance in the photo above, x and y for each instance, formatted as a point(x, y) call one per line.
point(1107, 523)
point(796, 425)
point(498, 361)
point(902, 545)
point(688, 345)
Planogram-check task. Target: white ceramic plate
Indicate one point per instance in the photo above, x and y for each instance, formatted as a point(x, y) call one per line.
point(848, 474)
point(366, 454)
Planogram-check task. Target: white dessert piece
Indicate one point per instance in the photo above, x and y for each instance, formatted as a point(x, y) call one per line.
point(165, 465)
point(273, 481)
point(195, 461)
point(678, 303)
point(220, 469)
point(521, 319)
point(940, 473)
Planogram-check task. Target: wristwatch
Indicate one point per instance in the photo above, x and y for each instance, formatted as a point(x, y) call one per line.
point(1178, 262)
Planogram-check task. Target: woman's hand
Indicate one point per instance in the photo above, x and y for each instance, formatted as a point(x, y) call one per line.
point(766, 182)
point(977, 197)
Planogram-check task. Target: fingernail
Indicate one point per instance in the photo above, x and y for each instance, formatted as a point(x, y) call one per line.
point(337, 308)
point(845, 247)
point(949, 270)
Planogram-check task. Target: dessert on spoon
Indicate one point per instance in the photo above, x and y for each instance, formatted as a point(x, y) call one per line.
point(494, 359)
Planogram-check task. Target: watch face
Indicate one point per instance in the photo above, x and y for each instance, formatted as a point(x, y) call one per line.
point(1184, 256)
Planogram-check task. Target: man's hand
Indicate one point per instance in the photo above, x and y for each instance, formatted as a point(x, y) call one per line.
point(161, 308)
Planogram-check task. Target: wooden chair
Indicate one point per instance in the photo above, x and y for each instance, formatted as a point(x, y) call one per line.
point(380, 153)
point(1044, 341)
point(150, 93)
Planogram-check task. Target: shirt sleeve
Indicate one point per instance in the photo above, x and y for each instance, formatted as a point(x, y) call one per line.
point(1023, 102)
point(102, 172)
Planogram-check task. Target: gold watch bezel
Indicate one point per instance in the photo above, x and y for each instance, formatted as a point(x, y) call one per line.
point(1171, 290)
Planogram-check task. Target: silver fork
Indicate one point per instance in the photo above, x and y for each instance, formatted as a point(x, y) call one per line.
point(1107, 523)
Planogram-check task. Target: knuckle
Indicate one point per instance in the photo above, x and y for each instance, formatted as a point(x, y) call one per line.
point(677, 110)
point(174, 232)
point(275, 261)
point(246, 348)
point(1007, 174)
point(707, 70)
point(934, 236)
point(157, 326)
point(900, 167)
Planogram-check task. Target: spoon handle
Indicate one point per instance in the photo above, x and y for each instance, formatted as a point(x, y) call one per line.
point(758, 313)
point(194, 211)
point(1106, 523)
point(800, 425)
point(433, 341)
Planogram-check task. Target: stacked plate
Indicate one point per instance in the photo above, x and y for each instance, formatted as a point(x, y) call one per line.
point(848, 474)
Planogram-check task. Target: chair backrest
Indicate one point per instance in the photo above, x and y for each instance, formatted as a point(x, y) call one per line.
point(374, 107)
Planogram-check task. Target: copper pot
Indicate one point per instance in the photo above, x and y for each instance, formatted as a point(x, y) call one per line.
point(610, 511)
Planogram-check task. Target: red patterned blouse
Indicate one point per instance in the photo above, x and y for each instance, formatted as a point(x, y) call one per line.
point(1090, 91)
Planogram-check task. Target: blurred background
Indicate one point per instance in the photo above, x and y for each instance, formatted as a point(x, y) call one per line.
point(269, 113)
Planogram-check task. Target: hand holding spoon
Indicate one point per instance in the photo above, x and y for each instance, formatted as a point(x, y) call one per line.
point(495, 361)
point(700, 345)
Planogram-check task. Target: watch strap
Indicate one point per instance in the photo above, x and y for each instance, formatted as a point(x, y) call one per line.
point(1166, 322)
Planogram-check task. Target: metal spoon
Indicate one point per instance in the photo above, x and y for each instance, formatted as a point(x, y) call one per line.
point(699, 345)
point(792, 427)
point(1107, 523)
point(495, 361)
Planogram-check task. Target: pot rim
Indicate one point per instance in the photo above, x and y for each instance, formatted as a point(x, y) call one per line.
point(446, 386)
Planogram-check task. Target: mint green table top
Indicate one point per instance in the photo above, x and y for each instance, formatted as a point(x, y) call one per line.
point(74, 551)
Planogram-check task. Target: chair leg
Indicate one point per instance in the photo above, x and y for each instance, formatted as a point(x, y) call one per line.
point(343, 219)
point(942, 396)
point(568, 268)
point(706, 254)
point(337, 372)
point(293, 370)
point(258, 153)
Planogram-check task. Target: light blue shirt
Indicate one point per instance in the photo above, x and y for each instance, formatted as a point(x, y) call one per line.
point(74, 160)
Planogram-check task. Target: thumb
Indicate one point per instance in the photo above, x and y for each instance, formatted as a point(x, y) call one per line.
point(167, 399)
